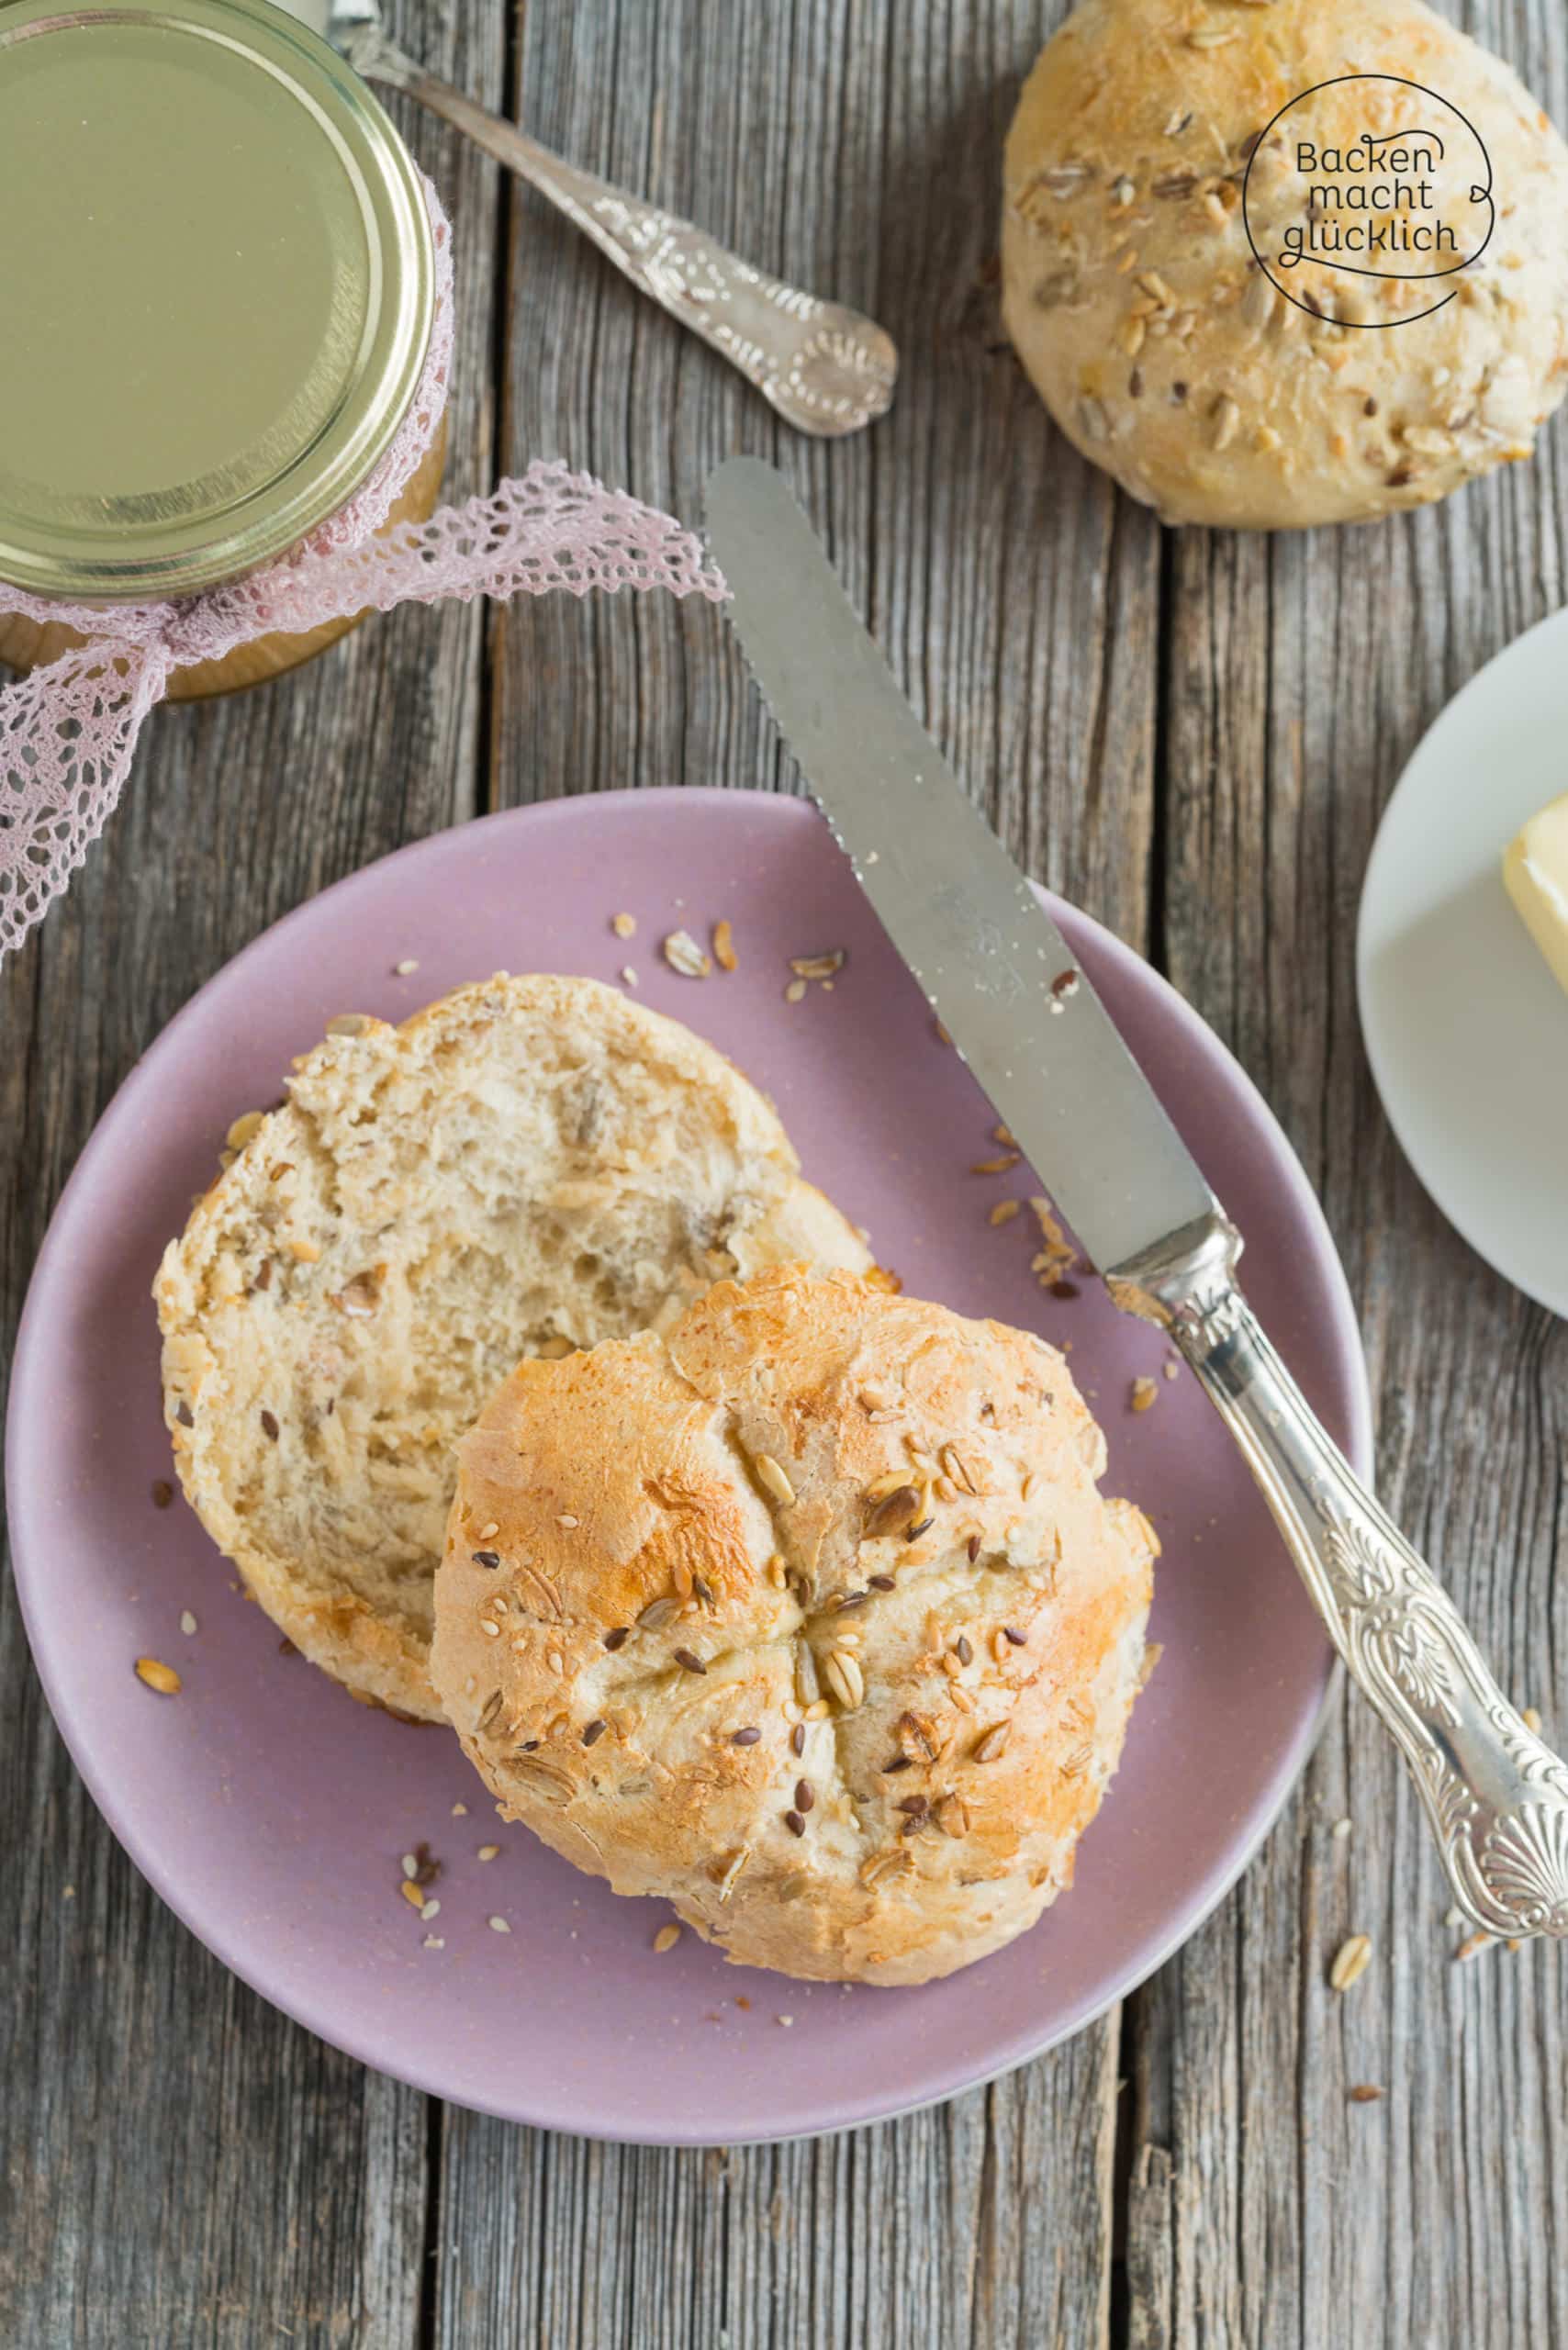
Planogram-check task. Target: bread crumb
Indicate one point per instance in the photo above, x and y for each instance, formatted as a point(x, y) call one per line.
point(1530, 1719)
point(428, 1909)
point(1003, 1211)
point(1473, 1945)
point(665, 1939)
point(1142, 1394)
point(629, 976)
point(161, 1677)
point(405, 968)
point(499, 1926)
point(460, 1811)
point(488, 1852)
point(795, 992)
point(1340, 1830)
point(785, 2021)
point(724, 946)
point(1350, 1962)
point(187, 1623)
point(1172, 1369)
point(624, 925)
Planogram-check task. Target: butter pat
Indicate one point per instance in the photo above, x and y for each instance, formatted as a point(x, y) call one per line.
point(1535, 874)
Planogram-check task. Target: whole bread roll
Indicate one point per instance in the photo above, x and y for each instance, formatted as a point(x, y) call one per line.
point(806, 1615)
point(1164, 350)
point(529, 1164)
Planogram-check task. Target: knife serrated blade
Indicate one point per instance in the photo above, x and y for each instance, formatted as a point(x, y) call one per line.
point(992, 964)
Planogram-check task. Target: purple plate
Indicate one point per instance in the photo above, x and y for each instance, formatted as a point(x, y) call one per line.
point(270, 1813)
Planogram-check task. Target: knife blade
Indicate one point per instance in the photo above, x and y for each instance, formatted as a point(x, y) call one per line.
point(993, 965)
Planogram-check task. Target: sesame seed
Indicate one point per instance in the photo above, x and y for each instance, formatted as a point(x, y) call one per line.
point(567, 1520)
point(269, 1425)
point(486, 1558)
point(490, 1628)
point(405, 968)
point(428, 1909)
point(488, 1852)
point(795, 992)
point(188, 1622)
point(499, 1926)
point(161, 1677)
point(628, 975)
point(665, 1939)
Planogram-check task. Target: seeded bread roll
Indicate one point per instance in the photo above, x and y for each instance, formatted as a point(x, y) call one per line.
point(807, 1616)
point(1164, 351)
point(530, 1165)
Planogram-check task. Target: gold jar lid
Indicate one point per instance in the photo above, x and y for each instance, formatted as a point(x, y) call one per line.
point(218, 286)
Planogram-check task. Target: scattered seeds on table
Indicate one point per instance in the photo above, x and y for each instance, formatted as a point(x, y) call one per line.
point(488, 1852)
point(161, 1677)
point(499, 1926)
point(724, 946)
point(1003, 1211)
point(992, 1744)
point(1363, 2093)
point(188, 1623)
point(412, 1893)
point(628, 975)
point(1352, 1961)
point(428, 1909)
point(795, 992)
point(665, 1939)
point(405, 968)
point(1340, 1830)
point(683, 955)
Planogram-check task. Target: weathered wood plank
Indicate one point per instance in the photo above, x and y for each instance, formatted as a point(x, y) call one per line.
point(1267, 2205)
point(1018, 600)
point(180, 2165)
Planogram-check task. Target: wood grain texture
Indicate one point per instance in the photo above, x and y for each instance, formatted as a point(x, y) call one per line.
point(180, 2164)
point(1192, 737)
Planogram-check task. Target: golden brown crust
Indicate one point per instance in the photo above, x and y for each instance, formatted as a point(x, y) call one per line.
point(1161, 348)
point(529, 1162)
point(711, 1499)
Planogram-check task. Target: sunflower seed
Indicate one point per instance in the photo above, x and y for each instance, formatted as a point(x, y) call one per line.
point(773, 1481)
point(657, 1612)
point(845, 1677)
point(992, 1743)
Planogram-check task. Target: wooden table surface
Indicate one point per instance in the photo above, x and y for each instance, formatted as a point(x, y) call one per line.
point(1190, 734)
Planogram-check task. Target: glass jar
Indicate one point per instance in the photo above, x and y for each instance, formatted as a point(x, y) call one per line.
point(218, 284)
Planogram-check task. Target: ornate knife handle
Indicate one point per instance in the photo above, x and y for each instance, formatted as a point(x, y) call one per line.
point(825, 368)
point(1496, 1797)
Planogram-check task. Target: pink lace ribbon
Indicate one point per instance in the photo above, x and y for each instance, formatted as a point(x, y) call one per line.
point(67, 731)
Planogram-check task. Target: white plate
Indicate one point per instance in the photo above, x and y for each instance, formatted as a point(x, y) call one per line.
point(1465, 1027)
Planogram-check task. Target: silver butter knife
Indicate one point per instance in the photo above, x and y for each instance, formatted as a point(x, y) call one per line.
point(1000, 976)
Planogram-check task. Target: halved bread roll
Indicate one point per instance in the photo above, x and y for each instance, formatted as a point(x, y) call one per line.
point(529, 1166)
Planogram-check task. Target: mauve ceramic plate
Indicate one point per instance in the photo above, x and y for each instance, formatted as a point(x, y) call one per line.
point(271, 1812)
